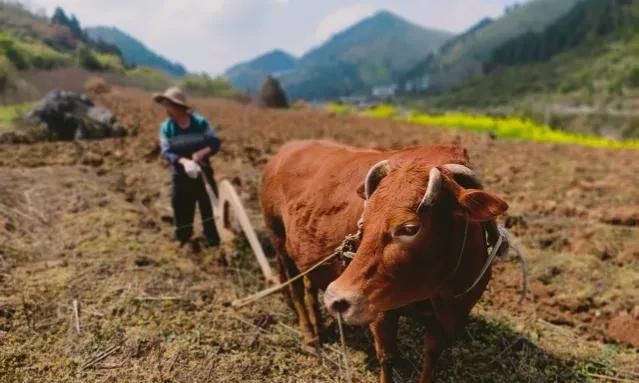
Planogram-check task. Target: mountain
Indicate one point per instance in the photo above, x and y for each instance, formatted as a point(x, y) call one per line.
point(250, 75)
point(580, 73)
point(464, 57)
point(134, 52)
point(373, 52)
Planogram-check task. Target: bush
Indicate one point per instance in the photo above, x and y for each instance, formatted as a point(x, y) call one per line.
point(6, 71)
point(25, 55)
point(87, 60)
point(10, 49)
point(204, 85)
point(148, 78)
point(110, 62)
point(633, 78)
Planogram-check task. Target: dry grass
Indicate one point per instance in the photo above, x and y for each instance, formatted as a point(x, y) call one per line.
point(87, 222)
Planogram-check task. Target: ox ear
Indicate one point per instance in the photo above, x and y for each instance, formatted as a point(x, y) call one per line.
point(476, 204)
point(373, 178)
point(481, 206)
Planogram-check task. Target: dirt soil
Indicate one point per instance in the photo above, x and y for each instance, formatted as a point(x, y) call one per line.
point(88, 224)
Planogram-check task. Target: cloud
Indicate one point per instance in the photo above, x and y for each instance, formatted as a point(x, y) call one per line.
point(212, 35)
point(341, 19)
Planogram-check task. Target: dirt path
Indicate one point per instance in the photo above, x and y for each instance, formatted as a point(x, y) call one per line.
point(88, 221)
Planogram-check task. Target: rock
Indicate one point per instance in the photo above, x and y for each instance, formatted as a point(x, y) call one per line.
point(69, 115)
point(624, 328)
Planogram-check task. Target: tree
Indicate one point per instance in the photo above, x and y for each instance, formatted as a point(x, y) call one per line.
point(272, 95)
point(60, 17)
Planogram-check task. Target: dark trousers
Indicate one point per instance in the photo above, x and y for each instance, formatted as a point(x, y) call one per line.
point(185, 193)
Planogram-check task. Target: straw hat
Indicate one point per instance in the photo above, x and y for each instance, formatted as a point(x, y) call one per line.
point(174, 95)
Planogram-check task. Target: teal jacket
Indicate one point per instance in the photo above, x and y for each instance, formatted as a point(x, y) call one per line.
point(176, 143)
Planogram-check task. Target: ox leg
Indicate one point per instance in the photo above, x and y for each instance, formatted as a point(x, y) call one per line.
point(296, 290)
point(284, 275)
point(448, 320)
point(433, 345)
point(312, 308)
point(384, 330)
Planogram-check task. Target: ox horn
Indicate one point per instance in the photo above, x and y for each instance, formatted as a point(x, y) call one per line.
point(375, 176)
point(435, 181)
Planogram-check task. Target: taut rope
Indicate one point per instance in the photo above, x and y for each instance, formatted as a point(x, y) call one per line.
point(345, 251)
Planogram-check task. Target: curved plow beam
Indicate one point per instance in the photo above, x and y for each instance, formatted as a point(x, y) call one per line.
point(229, 202)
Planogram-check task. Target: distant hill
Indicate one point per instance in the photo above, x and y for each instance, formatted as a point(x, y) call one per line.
point(31, 41)
point(586, 21)
point(464, 57)
point(375, 51)
point(133, 51)
point(580, 73)
point(250, 75)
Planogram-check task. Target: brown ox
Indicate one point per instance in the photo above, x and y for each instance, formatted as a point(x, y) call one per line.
point(416, 205)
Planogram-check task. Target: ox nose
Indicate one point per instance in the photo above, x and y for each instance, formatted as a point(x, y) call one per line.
point(339, 306)
point(346, 304)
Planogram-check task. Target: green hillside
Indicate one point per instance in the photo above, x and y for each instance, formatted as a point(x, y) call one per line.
point(133, 51)
point(373, 52)
point(581, 73)
point(465, 57)
point(29, 41)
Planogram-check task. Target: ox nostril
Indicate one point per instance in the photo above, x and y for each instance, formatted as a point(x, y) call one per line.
point(340, 306)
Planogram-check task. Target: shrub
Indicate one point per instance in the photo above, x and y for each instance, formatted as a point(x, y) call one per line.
point(87, 60)
point(6, 71)
point(204, 85)
point(110, 62)
point(148, 78)
point(25, 55)
point(633, 78)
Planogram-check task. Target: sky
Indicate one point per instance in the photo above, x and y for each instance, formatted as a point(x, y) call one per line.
point(212, 35)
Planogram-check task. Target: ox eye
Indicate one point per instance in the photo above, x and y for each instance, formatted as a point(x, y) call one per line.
point(407, 230)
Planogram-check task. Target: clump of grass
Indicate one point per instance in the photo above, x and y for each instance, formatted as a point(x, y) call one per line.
point(148, 78)
point(204, 85)
point(24, 55)
point(501, 127)
point(110, 62)
point(339, 108)
point(10, 114)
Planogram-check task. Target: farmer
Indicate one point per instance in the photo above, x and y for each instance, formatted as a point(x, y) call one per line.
point(187, 141)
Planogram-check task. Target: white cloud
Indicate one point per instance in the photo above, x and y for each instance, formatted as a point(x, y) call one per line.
point(341, 19)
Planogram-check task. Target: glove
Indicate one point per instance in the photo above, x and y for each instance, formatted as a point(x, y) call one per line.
point(201, 154)
point(192, 169)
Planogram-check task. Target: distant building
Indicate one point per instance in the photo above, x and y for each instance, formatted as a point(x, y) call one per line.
point(417, 85)
point(385, 91)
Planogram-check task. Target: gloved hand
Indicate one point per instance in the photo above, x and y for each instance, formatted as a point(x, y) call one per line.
point(191, 168)
point(201, 154)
